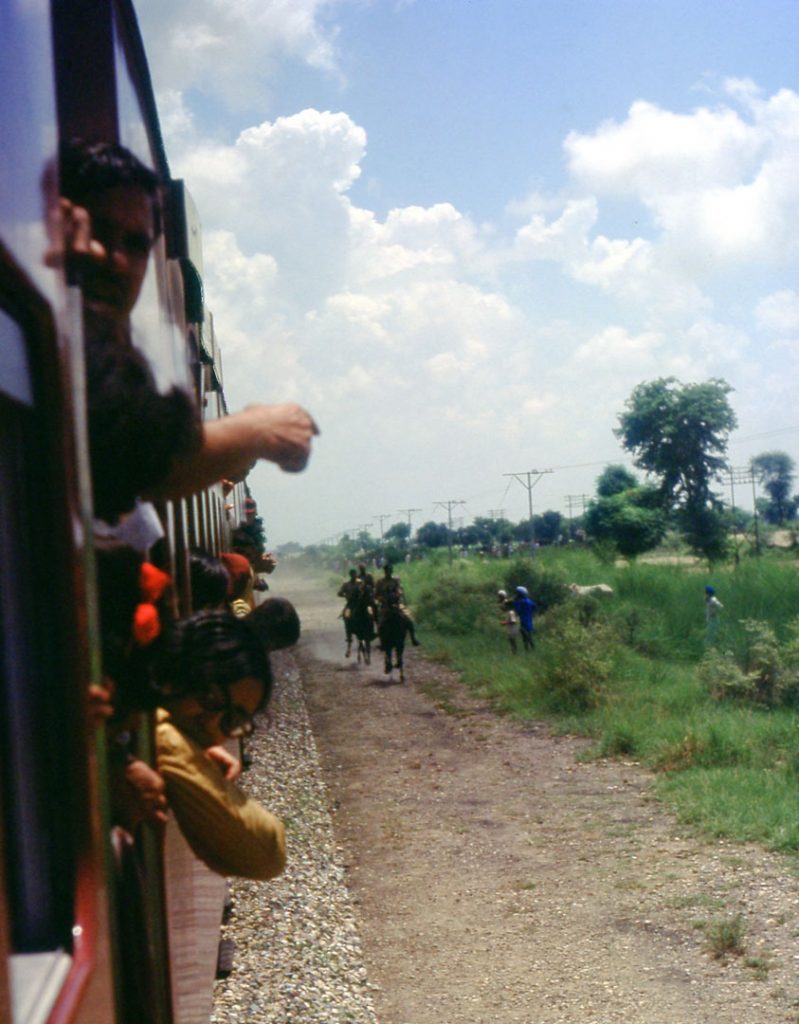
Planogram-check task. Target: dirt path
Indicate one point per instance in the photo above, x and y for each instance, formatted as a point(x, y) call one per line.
point(499, 880)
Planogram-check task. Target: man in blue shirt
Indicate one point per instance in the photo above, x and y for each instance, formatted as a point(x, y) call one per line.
point(524, 607)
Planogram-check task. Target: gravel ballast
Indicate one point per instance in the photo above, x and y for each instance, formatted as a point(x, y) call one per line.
point(298, 951)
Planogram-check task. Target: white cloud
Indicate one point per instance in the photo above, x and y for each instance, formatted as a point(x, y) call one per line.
point(617, 346)
point(779, 311)
point(427, 336)
point(656, 152)
point(230, 50)
point(721, 187)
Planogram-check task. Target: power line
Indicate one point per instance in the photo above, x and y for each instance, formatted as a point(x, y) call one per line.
point(529, 485)
point(408, 512)
point(385, 515)
point(448, 505)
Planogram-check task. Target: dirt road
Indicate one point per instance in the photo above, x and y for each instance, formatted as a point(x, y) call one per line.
point(500, 880)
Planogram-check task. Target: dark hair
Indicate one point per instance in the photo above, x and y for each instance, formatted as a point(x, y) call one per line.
point(135, 433)
point(209, 580)
point(212, 648)
point(90, 167)
point(276, 622)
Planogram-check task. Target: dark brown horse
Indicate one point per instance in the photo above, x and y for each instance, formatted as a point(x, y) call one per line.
point(392, 630)
point(360, 625)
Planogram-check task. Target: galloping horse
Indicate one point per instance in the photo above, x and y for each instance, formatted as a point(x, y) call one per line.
point(361, 625)
point(392, 629)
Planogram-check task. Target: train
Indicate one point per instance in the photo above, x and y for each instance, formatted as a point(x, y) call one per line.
point(77, 69)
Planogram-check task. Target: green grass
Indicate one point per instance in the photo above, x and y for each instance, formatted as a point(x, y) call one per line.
point(628, 679)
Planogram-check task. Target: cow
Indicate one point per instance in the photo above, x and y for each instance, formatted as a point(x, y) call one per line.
point(594, 590)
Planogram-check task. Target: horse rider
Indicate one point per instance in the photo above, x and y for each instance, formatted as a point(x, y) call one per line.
point(349, 590)
point(388, 589)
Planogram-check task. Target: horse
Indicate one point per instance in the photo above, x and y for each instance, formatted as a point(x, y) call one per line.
point(392, 630)
point(361, 627)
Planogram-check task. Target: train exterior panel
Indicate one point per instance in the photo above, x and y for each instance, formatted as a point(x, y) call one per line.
point(77, 69)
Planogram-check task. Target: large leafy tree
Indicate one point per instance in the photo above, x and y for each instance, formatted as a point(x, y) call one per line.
point(678, 433)
point(776, 471)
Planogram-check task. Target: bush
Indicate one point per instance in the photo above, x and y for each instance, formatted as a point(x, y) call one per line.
point(546, 587)
point(769, 676)
point(578, 661)
point(457, 605)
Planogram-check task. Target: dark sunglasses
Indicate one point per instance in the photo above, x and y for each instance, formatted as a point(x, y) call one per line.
point(235, 721)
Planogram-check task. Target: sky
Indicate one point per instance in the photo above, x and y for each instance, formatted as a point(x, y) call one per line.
point(460, 232)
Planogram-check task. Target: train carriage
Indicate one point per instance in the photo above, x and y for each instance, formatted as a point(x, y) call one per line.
point(77, 68)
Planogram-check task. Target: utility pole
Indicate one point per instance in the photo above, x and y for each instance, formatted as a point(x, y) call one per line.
point(381, 518)
point(528, 485)
point(744, 475)
point(577, 500)
point(448, 505)
point(408, 512)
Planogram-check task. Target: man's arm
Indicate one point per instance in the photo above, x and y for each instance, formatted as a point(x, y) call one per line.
point(233, 444)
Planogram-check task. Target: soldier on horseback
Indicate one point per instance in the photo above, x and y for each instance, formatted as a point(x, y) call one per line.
point(349, 590)
point(388, 590)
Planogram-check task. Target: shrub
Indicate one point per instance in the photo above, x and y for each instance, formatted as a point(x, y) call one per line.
point(725, 937)
point(578, 660)
point(457, 605)
point(546, 587)
point(769, 676)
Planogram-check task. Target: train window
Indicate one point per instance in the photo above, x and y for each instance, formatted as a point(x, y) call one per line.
point(157, 314)
point(15, 379)
point(37, 831)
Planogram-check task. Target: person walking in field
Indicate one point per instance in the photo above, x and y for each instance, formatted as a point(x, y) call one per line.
point(712, 608)
point(510, 619)
point(525, 607)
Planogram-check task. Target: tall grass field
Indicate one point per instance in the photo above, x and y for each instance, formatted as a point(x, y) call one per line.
point(716, 719)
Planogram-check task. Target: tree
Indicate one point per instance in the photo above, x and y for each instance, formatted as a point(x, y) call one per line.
point(614, 479)
point(548, 527)
point(775, 471)
point(678, 433)
point(432, 535)
point(493, 531)
point(399, 533)
point(633, 520)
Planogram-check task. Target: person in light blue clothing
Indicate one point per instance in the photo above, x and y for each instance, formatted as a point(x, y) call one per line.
point(525, 608)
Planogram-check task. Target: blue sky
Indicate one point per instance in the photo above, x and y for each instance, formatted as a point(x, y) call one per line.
point(461, 232)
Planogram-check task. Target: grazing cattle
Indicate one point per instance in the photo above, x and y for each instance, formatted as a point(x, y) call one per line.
point(594, 590)
point(392, 630)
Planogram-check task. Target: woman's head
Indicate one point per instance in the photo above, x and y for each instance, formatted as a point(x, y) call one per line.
point(217, 674)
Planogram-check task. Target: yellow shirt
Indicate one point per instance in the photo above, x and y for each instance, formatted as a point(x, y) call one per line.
point(228, 830)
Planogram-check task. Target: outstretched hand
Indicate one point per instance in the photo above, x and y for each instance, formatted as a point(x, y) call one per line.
point(286, 432)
